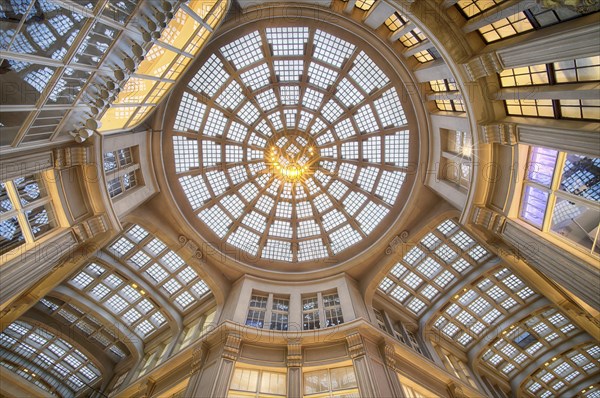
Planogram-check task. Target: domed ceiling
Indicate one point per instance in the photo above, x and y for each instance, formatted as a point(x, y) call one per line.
point(290, 143)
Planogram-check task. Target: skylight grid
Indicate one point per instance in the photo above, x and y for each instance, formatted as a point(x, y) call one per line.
point(365, 120)
point(343, 238)
point(289, 70)
point(371, 216)
point(389, 185)
point(210, 77)
point(248, 111)
point(115, 294)
point(396, 148)
point(286, 41)
point(190, 113)
point(256, 77)
point(186, 153)
point(312, 99)
point(231, 97)
point(331, 49)
point(331, 111)
point(55, 356)
point(215, 124)
point(348, 94)
point(216, 220)
point(390, 113)
point(249, 114)
point(523, 342)
point(311, 250)
point(321, 76)
point(244, 239)
point(278, 250)
point(244, 51)
point(367, 74)
point(267, 100)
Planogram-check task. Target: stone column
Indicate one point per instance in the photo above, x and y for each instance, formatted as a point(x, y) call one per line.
point(294, 374)
point(357, 350)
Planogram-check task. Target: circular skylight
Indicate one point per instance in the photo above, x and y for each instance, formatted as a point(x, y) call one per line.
point(290, 144)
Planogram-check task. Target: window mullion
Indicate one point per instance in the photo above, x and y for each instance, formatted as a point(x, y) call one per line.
point(13, 196)
point(554, 187)
point(269, 310)
point(322, 322)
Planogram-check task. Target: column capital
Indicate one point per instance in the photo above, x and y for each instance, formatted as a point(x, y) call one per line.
point(499, 133)
point(70, 156)
point(89, 228)
point(198, 358)
point(489, 220)
point(455, 391)
point(356, 346)
point(389, 355)
point(482, 65)
point(231, 348)
point(294, 354)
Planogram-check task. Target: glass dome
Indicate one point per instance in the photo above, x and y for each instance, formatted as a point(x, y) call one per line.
point(290, 143)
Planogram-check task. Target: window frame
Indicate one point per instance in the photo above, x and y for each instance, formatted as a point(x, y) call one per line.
point(554, 193)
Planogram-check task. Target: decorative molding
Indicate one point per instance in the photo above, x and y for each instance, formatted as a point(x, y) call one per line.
point(70, 156)
point(489, 219)
point(395, 243)
point(455, 390)
point(486, 64)
point(389, 356)
point(294, 354)
point(191, 245)
point(499, 133)
point(231, 348)
point(356, 346)
point(90, 228)
point(198, 357)
point(147, 388)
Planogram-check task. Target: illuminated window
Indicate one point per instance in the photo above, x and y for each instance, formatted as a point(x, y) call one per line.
point(331, 382)
point(257, 383)
point(561, 194)
point(27, 211)
point(310, 313)
point(457, 151)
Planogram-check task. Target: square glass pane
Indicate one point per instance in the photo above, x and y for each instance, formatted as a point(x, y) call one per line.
point(576, 222)
point(41, 220)
point(11, 235)
point(581, 177)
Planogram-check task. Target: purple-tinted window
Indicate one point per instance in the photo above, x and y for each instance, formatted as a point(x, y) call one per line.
point(542, 162)
point(534, 205)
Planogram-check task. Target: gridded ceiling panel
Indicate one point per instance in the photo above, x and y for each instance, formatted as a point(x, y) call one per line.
point(291, 144)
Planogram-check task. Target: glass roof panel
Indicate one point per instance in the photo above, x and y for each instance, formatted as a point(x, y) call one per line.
point(296, 202)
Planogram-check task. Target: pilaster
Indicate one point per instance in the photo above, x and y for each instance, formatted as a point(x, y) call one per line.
point(294, 363)
point(358, 353)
